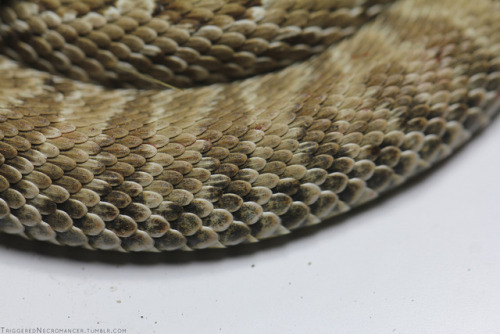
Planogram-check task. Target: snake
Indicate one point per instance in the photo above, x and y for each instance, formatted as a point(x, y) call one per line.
point(148, 126)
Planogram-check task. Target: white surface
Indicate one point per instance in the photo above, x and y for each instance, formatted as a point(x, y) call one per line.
point(424, 260)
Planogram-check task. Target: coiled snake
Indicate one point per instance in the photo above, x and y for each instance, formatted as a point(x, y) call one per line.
point(293, 111)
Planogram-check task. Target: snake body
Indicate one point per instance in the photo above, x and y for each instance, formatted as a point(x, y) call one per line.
point(293, 112)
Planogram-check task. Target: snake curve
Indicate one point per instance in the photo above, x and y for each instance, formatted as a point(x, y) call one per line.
point(291, 112)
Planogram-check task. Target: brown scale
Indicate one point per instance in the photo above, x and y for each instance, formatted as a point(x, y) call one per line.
point(156, 170)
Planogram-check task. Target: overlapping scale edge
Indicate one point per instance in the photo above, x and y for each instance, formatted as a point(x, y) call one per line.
point(182, 42)
point(227, 164)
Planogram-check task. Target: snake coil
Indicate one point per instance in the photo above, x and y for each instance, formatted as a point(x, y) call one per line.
point(292, 112)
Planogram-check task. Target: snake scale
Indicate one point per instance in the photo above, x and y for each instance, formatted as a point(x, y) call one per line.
point(286, 112)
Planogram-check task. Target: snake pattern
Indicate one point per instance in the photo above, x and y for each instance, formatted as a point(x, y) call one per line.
point(291, 112)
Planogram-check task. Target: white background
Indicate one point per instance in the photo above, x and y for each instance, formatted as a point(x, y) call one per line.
point(426, 259)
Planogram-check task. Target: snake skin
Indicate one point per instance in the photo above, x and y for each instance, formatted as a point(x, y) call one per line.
point(86, 163)
point(182, 42)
